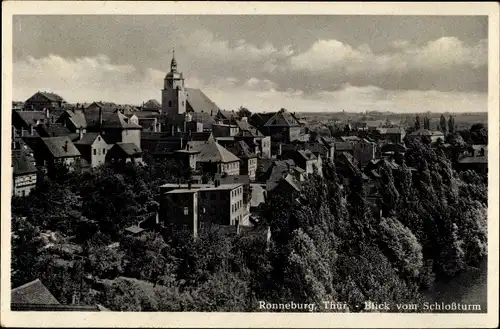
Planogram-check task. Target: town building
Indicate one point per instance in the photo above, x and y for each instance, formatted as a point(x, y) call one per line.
point(248, 165)
point(93, 148)
point(364, 151)
point(52, 151)
point(25, 122)
point(24, 174)
point(433, 136)
point(179, 101)
point(152, 105)
point(394, 135)
point(35, 296)
point(121, 153)
point(105, 119)
point(306, 160)
point(42, 101)
point(213, 158)
point(283, 126)
point(197, 206)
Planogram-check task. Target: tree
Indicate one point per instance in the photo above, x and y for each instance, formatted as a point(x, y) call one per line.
point(417, 123)
point(479, 133)
point(402, 247)
point(243, 112)
point(427, 123)
point(442, 124)
point(307, 276)
point(451, 125)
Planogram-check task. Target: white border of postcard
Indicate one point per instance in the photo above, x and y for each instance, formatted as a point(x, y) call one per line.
point(246, 320)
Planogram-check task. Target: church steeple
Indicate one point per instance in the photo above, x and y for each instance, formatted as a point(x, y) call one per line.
point(173, 63)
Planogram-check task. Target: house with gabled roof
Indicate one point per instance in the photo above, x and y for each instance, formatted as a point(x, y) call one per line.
point(151, 105)
point(121, 153)
point(285, 125)
point(51, 151)
point(55, 130)
point(34, 296)
point(214, 158)
point(42, 100)
point(103, 118)
point(432, 135)
point(33, 292)
point(287, 185)
point(364, 151)
point(25, 122)
point(24, 173)
point(248, 158)
point(93, 148)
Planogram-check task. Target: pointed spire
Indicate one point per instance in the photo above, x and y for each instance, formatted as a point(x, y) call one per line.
point(173, 63)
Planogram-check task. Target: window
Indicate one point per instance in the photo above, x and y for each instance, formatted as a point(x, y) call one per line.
point(95, 152)
point(103, 151)
point(182, 103)
point(169, 103)
point(186, 211)
point(202, 226)
point(99, 138)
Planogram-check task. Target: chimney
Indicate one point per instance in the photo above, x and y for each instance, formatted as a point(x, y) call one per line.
point(81, 133)
point(65, 147)
point(100, 116)
point(31, 130)
point(22, 131)
point(47, 113)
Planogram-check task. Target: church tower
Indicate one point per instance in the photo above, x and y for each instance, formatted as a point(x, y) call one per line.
point(173, 95)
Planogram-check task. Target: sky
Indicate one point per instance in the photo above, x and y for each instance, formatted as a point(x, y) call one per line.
point(263, 62)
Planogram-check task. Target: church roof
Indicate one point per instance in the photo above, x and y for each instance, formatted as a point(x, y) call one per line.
point(199, 102)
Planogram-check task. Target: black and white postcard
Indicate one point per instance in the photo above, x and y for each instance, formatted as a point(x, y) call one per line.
point(239, 164)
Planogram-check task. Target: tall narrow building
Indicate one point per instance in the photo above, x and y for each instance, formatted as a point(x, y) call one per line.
point(174, 96)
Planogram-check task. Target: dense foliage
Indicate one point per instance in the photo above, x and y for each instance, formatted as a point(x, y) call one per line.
point(327, 242)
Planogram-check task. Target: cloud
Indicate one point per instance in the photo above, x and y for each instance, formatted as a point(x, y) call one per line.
point(258, 84)
point(445, 64)
point(85, 79)
point(444, 52)
point(98, 78)
point(206, 48)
